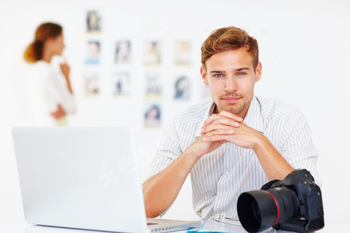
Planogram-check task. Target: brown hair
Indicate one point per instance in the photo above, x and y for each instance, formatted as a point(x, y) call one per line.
point(34, 51)
point(229, 38)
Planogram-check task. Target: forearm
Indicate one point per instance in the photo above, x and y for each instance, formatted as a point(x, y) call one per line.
point(69, 86)
point(65, 71)
point(273, 163)
point(223, 128)
point(161, 190)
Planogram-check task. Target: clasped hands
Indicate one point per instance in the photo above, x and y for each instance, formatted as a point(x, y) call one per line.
point(225, 127)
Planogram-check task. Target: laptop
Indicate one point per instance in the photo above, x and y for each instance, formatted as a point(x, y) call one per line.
point(85, 178)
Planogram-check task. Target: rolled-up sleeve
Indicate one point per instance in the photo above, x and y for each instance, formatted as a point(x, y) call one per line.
point(298, 147)
point(168, 151)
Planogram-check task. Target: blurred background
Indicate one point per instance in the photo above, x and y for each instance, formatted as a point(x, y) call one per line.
point(304, 50)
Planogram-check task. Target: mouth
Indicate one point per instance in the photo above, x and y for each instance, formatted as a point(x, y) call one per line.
point(231, 99)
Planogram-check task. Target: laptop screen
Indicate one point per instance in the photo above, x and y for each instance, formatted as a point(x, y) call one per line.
point(80, 177)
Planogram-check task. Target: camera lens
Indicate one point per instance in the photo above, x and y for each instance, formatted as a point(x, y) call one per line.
point(260, 210)
point(256, 211)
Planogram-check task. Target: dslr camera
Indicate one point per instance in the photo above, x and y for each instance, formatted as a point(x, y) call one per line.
point(293, 204)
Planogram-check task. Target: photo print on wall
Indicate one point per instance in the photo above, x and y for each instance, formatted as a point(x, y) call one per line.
point(93, 21)
point(152, 115)
point(93, 51)
point(91, 83)
point(120, 83)
point(183, 53)
point(152, 53)
point(122, 52)
point(182, 88)
point(153, 85)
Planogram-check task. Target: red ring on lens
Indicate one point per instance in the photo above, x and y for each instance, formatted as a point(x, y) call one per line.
point(278, 209)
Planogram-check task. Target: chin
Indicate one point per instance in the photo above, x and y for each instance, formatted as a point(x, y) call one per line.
point(233, 109)
point(228, 109)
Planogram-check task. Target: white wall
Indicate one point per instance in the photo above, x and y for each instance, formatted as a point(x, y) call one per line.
point(304, 49)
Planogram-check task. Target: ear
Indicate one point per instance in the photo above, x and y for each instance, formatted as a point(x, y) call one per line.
point(258, 72)
point(204, 76)
point(49, 41)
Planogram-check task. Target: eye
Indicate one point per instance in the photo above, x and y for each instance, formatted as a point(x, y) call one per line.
point(241, 73)
point(218, 75)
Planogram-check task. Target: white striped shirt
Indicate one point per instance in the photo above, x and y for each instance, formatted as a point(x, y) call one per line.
point(219, 177)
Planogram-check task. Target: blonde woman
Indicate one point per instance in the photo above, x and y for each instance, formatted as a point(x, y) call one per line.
point(53, 91)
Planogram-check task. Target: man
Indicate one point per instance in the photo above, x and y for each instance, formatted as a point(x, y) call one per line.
point(235, 143)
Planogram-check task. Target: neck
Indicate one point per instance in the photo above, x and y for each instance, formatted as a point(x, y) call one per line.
point(47, 55)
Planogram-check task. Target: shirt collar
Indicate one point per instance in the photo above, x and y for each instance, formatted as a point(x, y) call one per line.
point(254, 116)
point(252, 119)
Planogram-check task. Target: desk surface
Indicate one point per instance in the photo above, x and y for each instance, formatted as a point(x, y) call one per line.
point(210, 226)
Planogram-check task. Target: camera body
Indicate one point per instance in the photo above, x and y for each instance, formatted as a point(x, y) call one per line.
point(293, 204)
point(310, 216)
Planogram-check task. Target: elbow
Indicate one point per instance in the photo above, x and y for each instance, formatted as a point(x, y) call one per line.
point(150, 209)
point(150, 212)
point(150, 204)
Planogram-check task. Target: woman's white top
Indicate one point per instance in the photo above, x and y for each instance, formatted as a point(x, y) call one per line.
point(49, 90)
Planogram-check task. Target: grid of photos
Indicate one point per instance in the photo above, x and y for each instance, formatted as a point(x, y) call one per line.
point(151, 56)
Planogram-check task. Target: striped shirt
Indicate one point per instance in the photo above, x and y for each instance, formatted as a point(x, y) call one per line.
point(219, 177)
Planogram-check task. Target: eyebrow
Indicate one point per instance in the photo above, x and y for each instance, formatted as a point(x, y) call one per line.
point(235, 70)
point(243, 68)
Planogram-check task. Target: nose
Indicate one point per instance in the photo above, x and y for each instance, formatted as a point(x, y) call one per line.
point(230, 84)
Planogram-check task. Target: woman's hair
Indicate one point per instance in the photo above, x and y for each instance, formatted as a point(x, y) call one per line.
point(229, 38)
point(34, 51)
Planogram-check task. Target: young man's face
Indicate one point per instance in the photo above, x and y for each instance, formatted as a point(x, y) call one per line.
point(231, 77)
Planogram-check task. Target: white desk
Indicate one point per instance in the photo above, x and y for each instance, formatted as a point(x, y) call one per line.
point(210, 226)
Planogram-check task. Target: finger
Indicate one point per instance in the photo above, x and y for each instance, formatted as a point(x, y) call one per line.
point(210, 120)
point(215, 127)
point(227, 121)
point(221, 123)
point(228, 131)
point(217, 137)
point(222, 115)
point(220, 119)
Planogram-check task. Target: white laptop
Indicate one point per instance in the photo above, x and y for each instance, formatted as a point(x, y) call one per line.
point(85, 178)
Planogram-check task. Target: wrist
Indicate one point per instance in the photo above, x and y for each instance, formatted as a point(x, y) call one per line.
point(191, 155)
point(260, 142)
